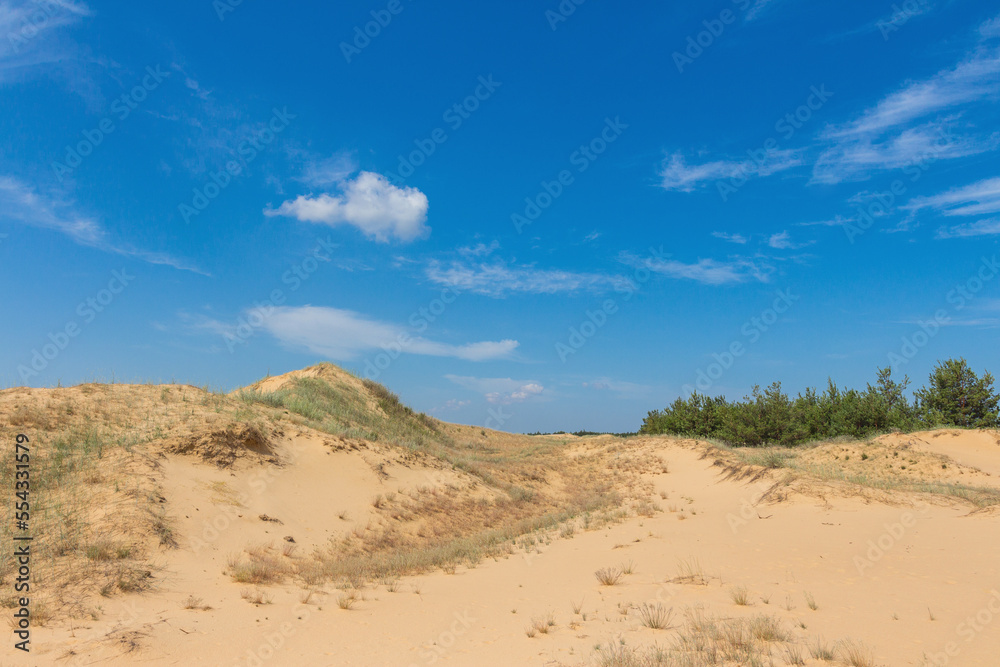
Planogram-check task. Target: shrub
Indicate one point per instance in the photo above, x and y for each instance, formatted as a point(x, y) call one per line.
point(956, 396)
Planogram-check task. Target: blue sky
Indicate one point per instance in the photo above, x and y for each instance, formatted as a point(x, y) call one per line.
point(529, 216)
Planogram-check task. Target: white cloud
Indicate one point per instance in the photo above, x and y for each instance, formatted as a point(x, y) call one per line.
point(330, 171)
point(345, 335)
point(856, 159)
point(497, 279)
point(988, 227)
point(26, 32)
point(979, 198)
point(969, 81)
point(372, 204)
point(502, 391)
point(783, 241)
point(480, 249)
point(838, 221)
point(711, 271)
point(22, 204)
point(732, 238)
point(677, 174)
point(990, 28)
point(884, 136)
point(780, 241)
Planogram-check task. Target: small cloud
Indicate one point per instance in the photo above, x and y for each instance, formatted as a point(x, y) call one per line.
point(500, 391)
point(676, 174)
point(989, 227)
point(480, 249)
point(498, 278)
point(592, 236)
point(780, 241)
point(978, 198)
point(838, 221)
point(732, 238)
point(330, 171)
point(21, 203)
point(370, 203)
point(709, 271)
point(345, 335)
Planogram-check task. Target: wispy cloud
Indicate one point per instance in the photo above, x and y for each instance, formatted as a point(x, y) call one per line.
point(370, 203)
point(979, 198)
point(324, 172)
point(988, 227)
point(783, 241)
point(972, 80)
point(711, 271)
point(498, 278)
point(677, 174)
point(732, 238)
point(22, 204)
point(344, 335)
point(28, 31)
point(502, 391)
point(886, 137)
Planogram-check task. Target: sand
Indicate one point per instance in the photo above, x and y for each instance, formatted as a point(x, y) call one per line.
point(913, 577)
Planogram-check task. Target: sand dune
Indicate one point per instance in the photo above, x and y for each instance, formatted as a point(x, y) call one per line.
point(749, 564)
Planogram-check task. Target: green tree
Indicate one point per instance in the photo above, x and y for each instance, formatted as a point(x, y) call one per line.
point(956, 396)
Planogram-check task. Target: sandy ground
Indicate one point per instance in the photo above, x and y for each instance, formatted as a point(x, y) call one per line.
point(910, 579)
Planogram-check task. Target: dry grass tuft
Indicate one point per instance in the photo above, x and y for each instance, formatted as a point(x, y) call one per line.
point(740, 596)
point(655, 617)
point(855, 654)
point(608, 576)
point(255, 596)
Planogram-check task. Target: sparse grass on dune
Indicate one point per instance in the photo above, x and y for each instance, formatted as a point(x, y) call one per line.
point(90, 495)
point(855, 463)
point(704, 640)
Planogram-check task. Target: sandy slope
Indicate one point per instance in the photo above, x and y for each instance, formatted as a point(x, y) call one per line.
point(909, 597)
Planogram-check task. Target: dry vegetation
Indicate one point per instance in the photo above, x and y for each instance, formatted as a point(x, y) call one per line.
point(95, 466)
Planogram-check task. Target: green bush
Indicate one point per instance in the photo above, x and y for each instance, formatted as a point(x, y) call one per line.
point(956, 396)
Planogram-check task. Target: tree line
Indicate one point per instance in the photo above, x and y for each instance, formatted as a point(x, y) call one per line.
point(954, 396)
